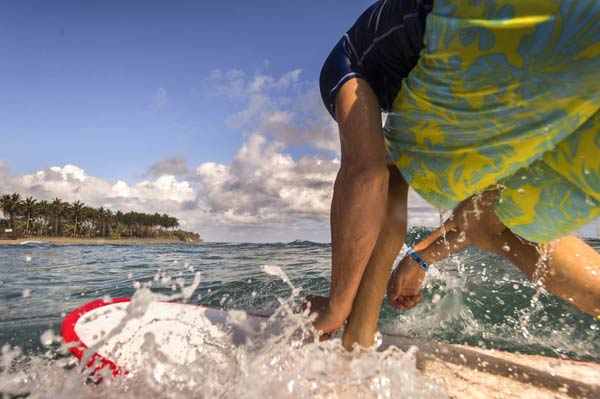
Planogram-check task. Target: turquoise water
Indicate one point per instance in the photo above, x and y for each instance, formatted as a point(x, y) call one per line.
point(472, 298)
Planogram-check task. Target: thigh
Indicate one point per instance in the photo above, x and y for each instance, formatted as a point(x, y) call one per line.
point(359, 118)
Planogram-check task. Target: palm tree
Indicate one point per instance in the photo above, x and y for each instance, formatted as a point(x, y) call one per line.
point(5, 204)
point(88, 221)
point(117, 220)
point(43, 213)
point(76, 210)
point(107, 219)
point(29, 208)
point(11, 206)
point(58, 209)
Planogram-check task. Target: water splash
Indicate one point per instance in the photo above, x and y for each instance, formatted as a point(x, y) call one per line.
point(281, 357)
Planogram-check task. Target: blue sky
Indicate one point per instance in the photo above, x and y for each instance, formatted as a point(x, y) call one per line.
point(82, 81)
point(208, 111)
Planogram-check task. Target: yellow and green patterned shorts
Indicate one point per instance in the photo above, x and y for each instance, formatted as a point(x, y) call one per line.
point(506, 93)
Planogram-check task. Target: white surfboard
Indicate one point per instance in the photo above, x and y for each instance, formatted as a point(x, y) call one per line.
point(107, 334)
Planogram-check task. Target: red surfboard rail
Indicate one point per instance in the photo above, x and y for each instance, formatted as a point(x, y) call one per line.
point(77, 347)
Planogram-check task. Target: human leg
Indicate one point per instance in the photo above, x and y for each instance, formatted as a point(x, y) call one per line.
point(359, 199)
point(567, 267)
point(362, 323)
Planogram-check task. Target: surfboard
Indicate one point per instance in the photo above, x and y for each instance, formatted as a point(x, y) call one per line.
point(105, 334)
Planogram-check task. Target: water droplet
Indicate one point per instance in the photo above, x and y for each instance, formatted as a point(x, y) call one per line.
point(521, 191)
point(47, 338)
point(516, 286)
point(506, 248)
point(436, 299)
point(137, 285)
point(28, 258)
point(589, 201)
point(26, 293)
point(130, 275)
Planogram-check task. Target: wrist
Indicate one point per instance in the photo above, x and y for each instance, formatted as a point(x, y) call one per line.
point(418, 259)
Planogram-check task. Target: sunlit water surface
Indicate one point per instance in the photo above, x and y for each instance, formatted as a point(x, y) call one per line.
point(472, 297)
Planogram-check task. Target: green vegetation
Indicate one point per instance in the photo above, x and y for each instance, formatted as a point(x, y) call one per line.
point(33, 218)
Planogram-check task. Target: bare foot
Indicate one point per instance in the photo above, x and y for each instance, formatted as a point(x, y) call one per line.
point(405, 283)
point(327, 321)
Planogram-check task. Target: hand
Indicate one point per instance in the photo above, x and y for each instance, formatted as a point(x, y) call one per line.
point(404, 284)
point(327, 321)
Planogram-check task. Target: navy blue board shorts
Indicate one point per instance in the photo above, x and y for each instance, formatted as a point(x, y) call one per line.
point(382, 47)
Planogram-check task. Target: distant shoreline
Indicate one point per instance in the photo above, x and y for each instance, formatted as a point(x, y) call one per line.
point(94, 241)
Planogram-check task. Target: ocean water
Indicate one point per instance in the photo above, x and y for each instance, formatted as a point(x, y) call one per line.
point(473, 298)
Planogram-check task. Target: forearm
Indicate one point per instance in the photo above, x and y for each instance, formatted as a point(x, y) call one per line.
point(435, 235)
point(439, 246)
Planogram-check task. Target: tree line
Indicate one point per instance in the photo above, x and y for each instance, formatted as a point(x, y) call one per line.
point(57, 218)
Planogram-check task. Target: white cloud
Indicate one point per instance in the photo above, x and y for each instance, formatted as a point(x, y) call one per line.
point(283, 107)
point(289, 78)
point(229, 84)
point(265, 185)
point(256, 105)
point(71, 183)
point(176, 166)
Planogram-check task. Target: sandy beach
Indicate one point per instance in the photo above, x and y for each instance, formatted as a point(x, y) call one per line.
point(94, 241)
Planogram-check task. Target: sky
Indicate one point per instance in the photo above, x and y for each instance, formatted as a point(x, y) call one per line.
point(207, 111)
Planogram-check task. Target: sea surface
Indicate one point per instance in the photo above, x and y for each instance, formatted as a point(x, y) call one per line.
point(473, 298)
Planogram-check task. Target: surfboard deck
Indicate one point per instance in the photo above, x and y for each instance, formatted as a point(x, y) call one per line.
point(118, 341)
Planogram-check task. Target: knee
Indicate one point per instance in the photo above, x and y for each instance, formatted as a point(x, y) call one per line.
point(367, 175)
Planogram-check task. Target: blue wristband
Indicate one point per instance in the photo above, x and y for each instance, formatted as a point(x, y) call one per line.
point(419, 260)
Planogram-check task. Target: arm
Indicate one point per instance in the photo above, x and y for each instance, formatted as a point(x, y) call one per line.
point(405, 282)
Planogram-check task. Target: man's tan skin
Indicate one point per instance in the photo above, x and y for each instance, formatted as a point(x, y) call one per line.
point(571, 270)
point(358, 218)
point(368, 228)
